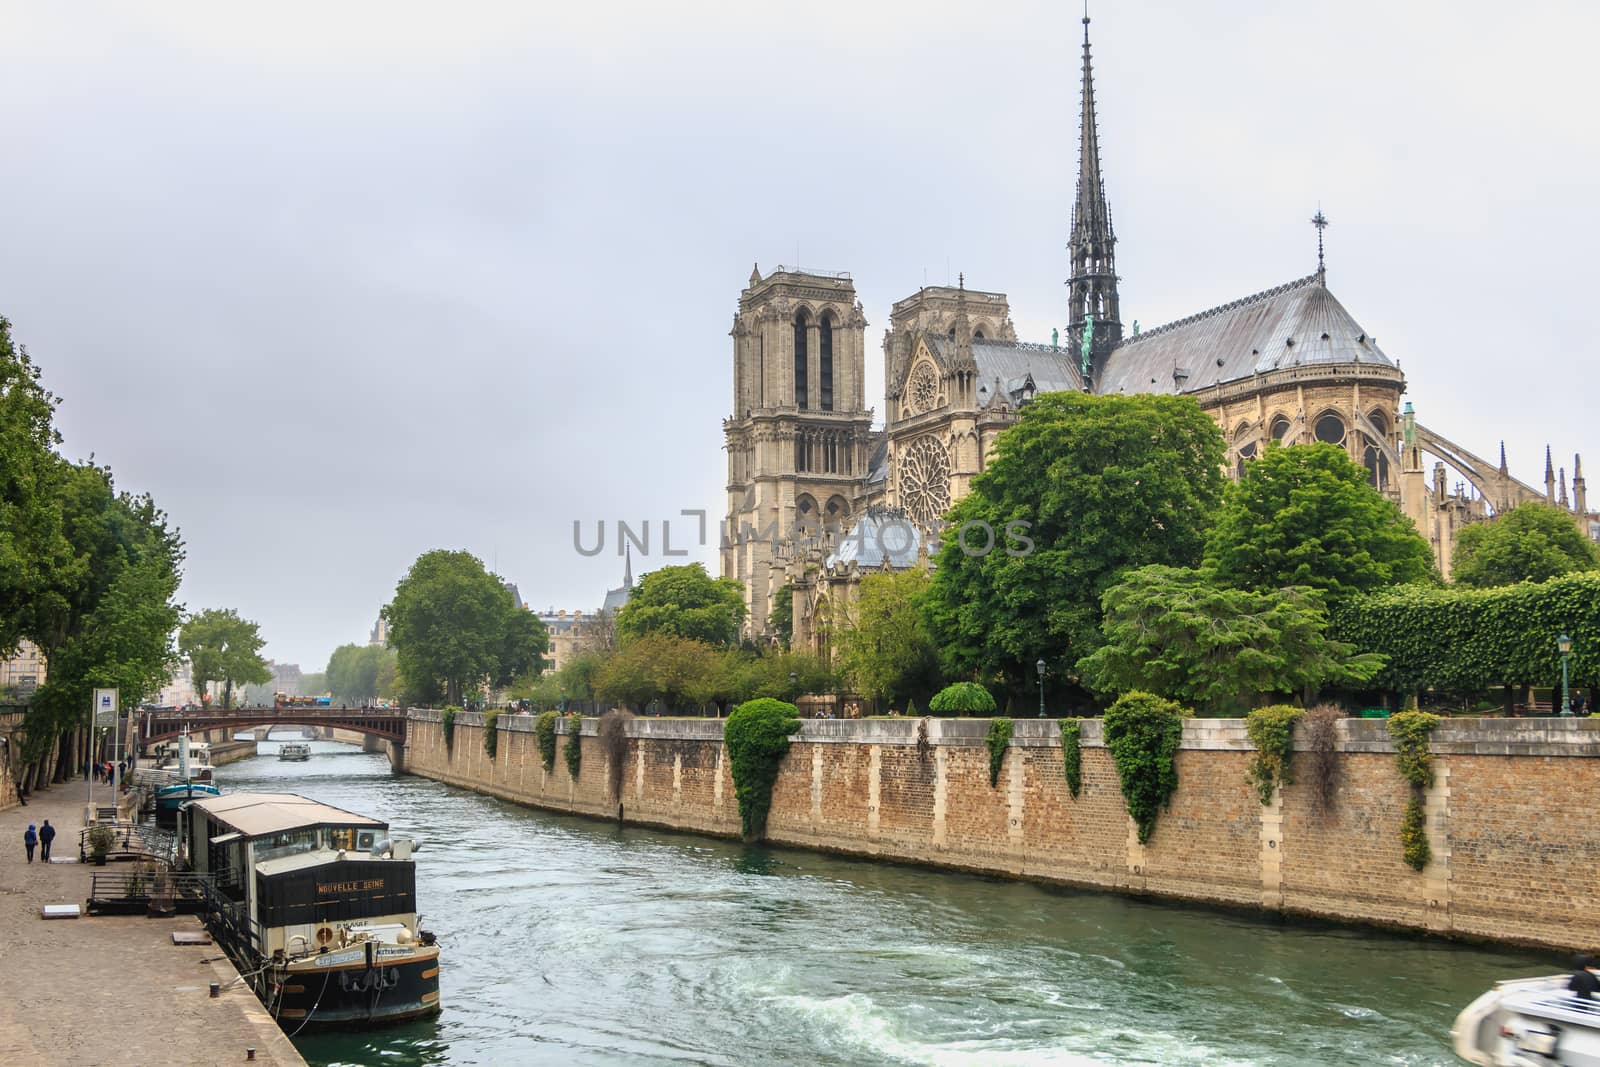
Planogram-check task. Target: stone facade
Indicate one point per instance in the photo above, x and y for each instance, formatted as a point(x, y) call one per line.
point(1513, 848)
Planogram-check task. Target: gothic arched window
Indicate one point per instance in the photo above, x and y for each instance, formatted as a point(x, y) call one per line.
point(1280, 427)
point(1330, 428)
point(1246, 454)
point(801, 321)
point(825, 359)
point(1377, 465)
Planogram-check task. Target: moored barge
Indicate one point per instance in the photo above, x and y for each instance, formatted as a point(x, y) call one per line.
point(317, 906)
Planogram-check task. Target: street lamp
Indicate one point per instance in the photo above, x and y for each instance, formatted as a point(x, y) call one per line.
point(1564, 643)
point(1040, 668)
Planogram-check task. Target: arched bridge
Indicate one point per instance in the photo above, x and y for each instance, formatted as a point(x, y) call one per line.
point(386, 723)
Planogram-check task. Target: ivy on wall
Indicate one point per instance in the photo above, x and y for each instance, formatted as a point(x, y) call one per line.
point(757, 736)
point(1271, 730)
point(998, 739)
point(544, 733)
point(573, 749)
point(1410, 731)
point(1471, 639)
point(1414, 835)
point(447, 724)
point(491, 733)
point(1143, 732)
point(1072, 754)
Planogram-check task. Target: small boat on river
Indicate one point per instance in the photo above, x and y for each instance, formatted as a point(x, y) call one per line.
point(317, 906)
point(1529, 1021)
point(186, 766)
point(294, 751)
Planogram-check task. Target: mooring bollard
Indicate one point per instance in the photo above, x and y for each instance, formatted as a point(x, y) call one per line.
point(216, 989)
point(249, 1053)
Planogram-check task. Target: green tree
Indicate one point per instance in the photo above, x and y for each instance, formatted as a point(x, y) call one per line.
point(962, 698)
point(35, 555)
point(222, 647)
point(885, 649)
point(355, 672)
point(453, 626)
point(1173, 632)
point(107, 620)
point(314, 683)
point(1530, 543)
point(683, 602)
point(1306, 515)
point(1101, 484)
point(657, 666)
point(781, 619)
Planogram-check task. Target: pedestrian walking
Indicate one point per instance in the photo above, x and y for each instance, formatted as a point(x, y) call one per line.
point(1579, 705)
point(30, 840)
point(47, 834)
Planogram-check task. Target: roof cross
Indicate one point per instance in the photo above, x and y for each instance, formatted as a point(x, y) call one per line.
point(1320, 221)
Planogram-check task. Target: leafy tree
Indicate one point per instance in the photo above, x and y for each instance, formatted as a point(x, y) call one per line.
point(781, 619)
point(35, 555)
point(962, 698)
point(1530, 543)
point(354, 672)
point(453, 625)
point(683, 602)
point(1306, 515)
point(222, 647)
point(1102, 484)
point(885, 649)
point(314, 684)
point(1175, 633)
point(107, 620)
point(654, 666)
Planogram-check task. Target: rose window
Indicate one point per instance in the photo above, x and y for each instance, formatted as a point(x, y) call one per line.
point(925, 481)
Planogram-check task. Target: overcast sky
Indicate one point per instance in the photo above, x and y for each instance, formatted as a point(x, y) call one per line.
point(341, 283)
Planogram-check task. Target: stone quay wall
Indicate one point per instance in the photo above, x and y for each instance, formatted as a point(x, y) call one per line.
point(1511, 817)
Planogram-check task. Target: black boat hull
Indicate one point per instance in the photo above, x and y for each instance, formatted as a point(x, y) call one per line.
point(345, 994)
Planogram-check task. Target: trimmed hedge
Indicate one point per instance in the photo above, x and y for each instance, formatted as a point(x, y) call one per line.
point(1470, 639)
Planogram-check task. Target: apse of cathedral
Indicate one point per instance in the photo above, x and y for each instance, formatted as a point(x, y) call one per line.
point(817, 496)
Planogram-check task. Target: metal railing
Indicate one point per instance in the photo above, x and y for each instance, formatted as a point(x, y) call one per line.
point(132, 841)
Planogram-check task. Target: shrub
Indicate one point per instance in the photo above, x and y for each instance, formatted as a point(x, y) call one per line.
point(962, 698)
point(491, 733)
point(757, 736)
point(101, 838)
point(614, 743)
point(924, 748)
point(573, 749)
point(1414, 836)
point(1072, 754)
point(447, 723)
point(544, 732)
point(1320, 729)
point(1410, 731)
point(1143, 732)
point(998, 740)
point(1271, 730)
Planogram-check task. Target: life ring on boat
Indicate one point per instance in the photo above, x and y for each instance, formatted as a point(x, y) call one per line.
point(324, 934)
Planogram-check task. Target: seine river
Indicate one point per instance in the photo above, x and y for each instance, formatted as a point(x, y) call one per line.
point(568, 941)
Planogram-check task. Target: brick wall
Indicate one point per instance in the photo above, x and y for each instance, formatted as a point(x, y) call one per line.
point(1510, 818)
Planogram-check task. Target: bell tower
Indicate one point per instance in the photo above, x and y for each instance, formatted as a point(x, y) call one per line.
point(800, 433)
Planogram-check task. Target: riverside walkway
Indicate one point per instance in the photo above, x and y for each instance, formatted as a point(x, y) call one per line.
point(109, 989)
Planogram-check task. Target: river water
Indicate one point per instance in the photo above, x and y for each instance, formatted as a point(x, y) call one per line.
point(572, 941)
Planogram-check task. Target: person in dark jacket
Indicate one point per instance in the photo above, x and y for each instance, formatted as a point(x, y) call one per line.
point(1584, 983)
point(30, 840)
point(47, 834)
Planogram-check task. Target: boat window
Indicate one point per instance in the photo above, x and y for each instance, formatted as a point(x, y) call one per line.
point(288, 844)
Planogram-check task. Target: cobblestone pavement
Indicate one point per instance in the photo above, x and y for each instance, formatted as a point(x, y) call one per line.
point(113, 989)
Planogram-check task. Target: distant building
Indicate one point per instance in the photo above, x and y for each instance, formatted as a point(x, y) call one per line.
point(24, 671)
point(615, 598)
point(380, 632)
point(563, 628)
point(179, 690)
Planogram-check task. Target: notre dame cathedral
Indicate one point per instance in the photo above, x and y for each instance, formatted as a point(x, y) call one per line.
point(817, 496)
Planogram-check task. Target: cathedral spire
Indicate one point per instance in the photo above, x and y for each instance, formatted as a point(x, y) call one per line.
point(1503, 468)
point(1549, 477)
point(1092, 288)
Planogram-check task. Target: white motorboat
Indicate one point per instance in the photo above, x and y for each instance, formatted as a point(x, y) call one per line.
point(1529, 1021)
point(295, 751)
